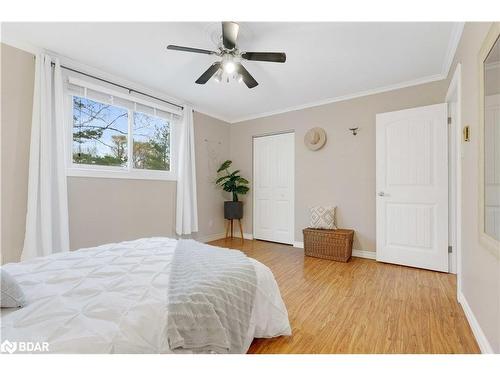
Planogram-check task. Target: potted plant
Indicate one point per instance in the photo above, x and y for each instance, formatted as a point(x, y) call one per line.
point(233, 183)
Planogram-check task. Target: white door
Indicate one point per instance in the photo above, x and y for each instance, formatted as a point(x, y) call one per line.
point(412, 187)
point(273, 187)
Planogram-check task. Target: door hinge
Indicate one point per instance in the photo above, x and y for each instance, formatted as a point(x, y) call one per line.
point(449, 120)
point(450, 249)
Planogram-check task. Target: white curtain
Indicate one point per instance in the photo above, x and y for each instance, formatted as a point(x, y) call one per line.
point(47, 212)
point(186, 209)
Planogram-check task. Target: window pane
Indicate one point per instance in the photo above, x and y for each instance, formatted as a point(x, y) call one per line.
point(151, 142)
point(99, 133)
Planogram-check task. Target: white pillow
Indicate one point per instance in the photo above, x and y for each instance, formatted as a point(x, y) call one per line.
point(12, 294)
point(323, 217)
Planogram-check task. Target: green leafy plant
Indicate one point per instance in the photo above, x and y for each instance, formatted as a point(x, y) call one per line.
point(232, 182)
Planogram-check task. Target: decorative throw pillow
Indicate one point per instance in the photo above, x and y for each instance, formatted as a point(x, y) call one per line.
point(323, 217)
point(12, 295)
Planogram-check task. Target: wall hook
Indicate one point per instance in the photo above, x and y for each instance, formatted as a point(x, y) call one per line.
point(354, 130)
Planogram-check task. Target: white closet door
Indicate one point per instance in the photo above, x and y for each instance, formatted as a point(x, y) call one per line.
point(412, 187)
point(273, 187)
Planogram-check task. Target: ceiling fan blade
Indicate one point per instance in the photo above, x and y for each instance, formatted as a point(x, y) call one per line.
point(278, 57)
point(189, 49)
point(208, 73)
point(229, 34)
point(247, 77)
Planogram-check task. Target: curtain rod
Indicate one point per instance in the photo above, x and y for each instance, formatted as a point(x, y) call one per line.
point(121, 86)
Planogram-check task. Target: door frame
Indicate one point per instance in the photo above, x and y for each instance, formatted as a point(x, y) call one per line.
point(455, 91)
point(289, 131)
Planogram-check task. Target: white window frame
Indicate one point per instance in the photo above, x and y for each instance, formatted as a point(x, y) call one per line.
point(128, 172)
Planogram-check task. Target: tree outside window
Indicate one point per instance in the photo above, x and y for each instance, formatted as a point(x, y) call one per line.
point(100, 136)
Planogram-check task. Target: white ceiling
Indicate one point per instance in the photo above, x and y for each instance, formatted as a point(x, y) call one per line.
point(325, 61)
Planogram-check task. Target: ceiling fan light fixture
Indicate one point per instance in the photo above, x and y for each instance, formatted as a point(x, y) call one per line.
point(229, 66)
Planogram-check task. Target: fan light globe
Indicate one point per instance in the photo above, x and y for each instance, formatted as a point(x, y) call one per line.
point(229, 67)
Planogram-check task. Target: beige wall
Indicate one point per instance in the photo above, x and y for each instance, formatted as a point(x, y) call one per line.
point(101, 210)
point(211, 148)
point(480, 268)
point(17, 81)
point(341, 173)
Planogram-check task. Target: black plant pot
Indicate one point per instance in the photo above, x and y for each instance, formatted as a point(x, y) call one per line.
point(233, 210)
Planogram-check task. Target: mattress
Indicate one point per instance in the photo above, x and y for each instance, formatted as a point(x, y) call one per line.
point(113, 299)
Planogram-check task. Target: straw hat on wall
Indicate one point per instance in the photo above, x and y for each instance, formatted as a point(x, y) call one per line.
point(315, 138)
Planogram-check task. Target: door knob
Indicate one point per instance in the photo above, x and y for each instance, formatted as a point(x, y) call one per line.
point(381, 194)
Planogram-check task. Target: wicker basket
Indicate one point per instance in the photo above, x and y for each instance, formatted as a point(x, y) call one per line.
point(334, 244)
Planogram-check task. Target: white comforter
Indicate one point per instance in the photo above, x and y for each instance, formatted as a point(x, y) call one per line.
point(113, 299)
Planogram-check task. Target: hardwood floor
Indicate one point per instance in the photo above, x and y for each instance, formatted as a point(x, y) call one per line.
point(362, 306)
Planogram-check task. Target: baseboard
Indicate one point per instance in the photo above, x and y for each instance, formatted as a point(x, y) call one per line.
point(481, 339)
point(211, 237)
point(355, 253)
point(364, 254)
point(298, 244)
point(220, 236)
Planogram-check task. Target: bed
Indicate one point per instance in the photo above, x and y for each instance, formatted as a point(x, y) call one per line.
point(113, 299)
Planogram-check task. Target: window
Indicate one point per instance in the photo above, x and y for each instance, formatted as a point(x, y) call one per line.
point(151, 142)
point(100, 133)
point(117, 135)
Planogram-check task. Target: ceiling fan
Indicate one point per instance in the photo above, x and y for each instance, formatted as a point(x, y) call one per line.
point(231, 56)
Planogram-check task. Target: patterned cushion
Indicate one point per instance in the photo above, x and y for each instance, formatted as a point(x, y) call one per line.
point(323, 217)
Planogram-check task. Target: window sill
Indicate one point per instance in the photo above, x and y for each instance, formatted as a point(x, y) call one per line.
point(122, 174)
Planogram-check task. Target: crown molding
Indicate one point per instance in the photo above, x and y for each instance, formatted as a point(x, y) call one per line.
point(397, 86)
point(450, 54)
point(213, 115)
point(456, 35)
